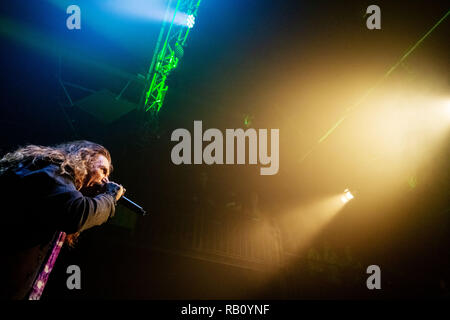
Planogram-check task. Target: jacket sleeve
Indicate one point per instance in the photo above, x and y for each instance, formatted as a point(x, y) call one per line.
point(75, 212)
point(83, 212)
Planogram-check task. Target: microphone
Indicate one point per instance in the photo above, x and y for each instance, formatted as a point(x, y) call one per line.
point(127, 203)
point(132, 206)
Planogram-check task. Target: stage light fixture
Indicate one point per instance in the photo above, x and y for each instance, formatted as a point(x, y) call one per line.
point(190, 21)
point(347, 196)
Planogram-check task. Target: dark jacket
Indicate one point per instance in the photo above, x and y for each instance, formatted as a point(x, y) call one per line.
point(36, 203)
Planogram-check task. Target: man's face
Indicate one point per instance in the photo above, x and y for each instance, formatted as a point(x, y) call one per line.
point(99, 172)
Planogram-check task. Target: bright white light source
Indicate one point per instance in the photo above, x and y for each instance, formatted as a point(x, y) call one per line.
point(347, 196)
point(190, 21)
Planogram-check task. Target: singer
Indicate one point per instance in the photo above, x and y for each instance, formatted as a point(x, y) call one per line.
point(47, 200)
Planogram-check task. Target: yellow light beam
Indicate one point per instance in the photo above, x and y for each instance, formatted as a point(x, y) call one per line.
point(377, 84)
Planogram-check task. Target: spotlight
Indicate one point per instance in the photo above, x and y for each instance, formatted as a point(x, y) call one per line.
point(347, 196)
point(190, 21)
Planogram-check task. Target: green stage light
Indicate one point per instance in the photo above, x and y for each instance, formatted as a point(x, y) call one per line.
point(167, 57)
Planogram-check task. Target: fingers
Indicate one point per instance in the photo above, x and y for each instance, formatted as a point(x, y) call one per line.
point(120, 193)
point(115, 188)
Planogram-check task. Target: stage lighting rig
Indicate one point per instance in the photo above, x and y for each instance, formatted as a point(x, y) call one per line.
point(166, 58)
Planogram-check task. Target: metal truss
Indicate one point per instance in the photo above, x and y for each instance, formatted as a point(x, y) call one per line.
point(166, 59)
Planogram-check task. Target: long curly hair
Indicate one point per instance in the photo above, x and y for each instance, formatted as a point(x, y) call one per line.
point(73, 158)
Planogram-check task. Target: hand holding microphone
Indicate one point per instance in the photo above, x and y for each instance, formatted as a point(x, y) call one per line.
point(118, 191)
point(114, 188)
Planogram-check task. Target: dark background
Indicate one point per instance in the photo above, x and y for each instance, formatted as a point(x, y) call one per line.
point(282, 63)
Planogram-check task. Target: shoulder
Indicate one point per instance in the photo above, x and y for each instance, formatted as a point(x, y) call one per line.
point(46, 173)
point(53, 171)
